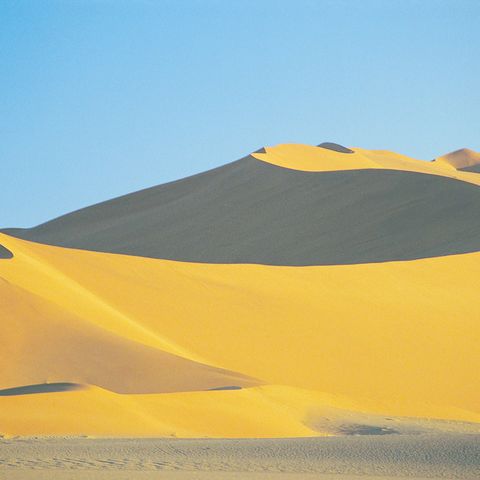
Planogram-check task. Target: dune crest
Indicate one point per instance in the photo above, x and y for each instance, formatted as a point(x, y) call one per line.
point(315, 159)
point(462, 159)
point(361, 207)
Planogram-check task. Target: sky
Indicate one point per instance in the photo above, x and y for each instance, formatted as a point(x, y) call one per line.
point(99, 98)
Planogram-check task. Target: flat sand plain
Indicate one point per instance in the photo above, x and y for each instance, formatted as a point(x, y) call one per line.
point(447, 456)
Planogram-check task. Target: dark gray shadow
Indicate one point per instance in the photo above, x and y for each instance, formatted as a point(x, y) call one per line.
point(5, 253)
point(40, 388)
point(335, 147)
point(358, 429)
point(227, 387)
point(251, 211)
point(474, 169)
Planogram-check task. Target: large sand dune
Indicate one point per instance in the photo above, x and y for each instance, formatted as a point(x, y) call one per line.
point(286, 302)
point(397, 339)
point(251, 211)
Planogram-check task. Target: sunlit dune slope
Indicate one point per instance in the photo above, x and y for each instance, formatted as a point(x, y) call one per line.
point(254, 412)
point(317, 159)
point(265, 411)
point(463, 159)
point(397, 338)
point(298, 291)
point(43, 342)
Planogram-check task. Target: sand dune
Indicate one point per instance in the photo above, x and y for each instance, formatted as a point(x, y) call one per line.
point(298, 292)
point(121, 322)
point(463, 159)
point(313, 159)
point(253, 212)
point(272, 411)
point(44, 333)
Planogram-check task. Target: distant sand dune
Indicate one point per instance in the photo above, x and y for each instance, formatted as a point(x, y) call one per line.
point(463, 159)
point(313, 159)
point(253, 212)
point(473, 168)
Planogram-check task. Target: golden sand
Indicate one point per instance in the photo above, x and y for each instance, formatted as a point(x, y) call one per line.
point(394, 338)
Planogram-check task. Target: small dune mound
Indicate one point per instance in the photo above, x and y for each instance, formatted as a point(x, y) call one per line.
point(335, 147)
point(463, 159)
point(5, 253)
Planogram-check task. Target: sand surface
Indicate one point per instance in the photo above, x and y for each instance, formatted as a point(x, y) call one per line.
point(313, 159)
point(414, 457)
point(333, 326)
point(252, 211)
point(393, 339)
point(463, 159)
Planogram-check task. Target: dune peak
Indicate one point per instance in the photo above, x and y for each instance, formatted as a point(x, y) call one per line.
point(462, 159)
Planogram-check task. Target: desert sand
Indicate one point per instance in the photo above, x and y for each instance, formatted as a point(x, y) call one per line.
point(253, 211)
point(351, 458)
point(303, 310)
point(313, 159)
point(122, 324)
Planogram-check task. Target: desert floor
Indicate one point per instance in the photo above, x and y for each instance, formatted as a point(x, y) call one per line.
point(448, 456)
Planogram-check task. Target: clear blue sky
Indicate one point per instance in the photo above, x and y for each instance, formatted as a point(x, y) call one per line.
point(103, 97)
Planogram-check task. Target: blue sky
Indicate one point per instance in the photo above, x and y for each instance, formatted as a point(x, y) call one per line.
point(103, 97)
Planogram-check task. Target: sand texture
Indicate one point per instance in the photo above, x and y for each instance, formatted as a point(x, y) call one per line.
point(169, 344)
point(360, 457)
point(251, 211)
point(304, 312)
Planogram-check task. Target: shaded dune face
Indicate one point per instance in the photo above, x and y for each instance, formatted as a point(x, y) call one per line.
point(250, 211)
point(473, 169)
point(335, 147)
point(5, 253)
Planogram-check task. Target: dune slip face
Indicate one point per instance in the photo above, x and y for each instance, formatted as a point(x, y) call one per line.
point(298, 292)
point(293, 205)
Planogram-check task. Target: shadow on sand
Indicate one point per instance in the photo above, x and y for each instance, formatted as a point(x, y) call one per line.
point(5, 252)
point(40, 388)
point(227, 387)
